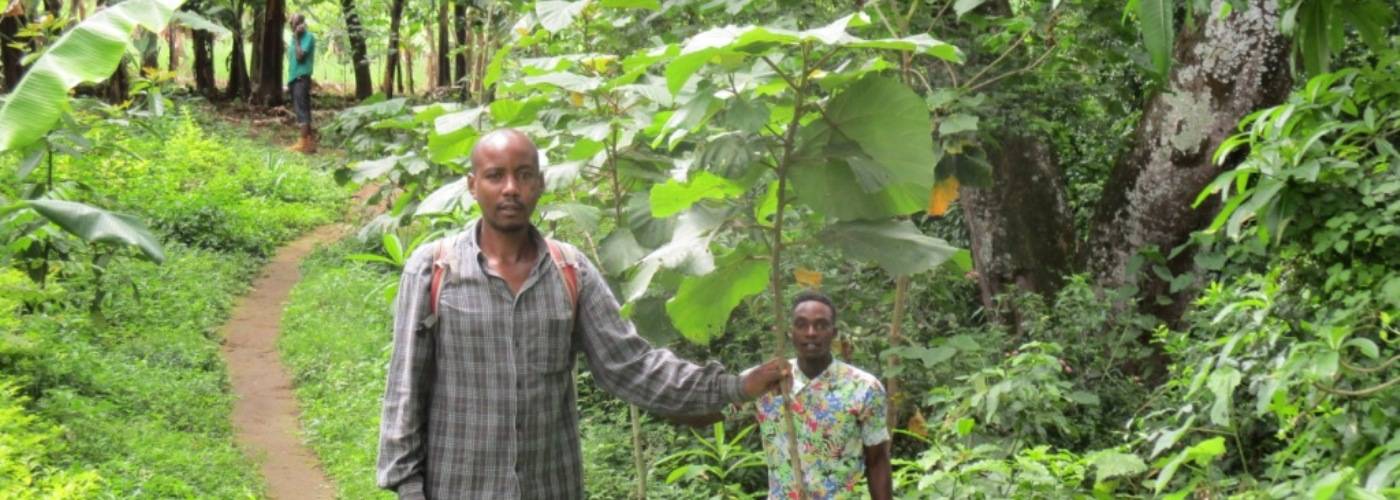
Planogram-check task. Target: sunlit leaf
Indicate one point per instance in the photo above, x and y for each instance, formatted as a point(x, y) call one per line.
point(95, 225)
point(555, 15)
point(673, 197)
point(89, 52)
point(897, 246)
point(702, 305)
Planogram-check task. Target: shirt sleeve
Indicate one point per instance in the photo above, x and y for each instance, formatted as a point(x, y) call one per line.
point(627, 366)
point(402, 426)
point(873, 427)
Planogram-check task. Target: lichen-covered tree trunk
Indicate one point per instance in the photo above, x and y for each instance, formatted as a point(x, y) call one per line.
point(1222, 71)
point(1021, 226)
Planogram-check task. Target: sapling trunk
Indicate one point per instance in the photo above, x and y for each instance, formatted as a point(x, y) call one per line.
point(775, 280)
point(901, 295)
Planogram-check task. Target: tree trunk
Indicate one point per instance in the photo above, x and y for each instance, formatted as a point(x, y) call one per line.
point(119, 84)
point(363, 84)
point(255, 62)
point(11, 57)
point(239, 84)
point(204, 63)
point(1224, 70)
point(391, 62)
point(270, 81)
point(444, 45)
point(1021, 226)
point(459, 17)
point(172, 42)
point(150, 52)
point(407, 70)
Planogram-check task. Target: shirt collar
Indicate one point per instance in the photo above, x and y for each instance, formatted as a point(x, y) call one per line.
point(473, 235)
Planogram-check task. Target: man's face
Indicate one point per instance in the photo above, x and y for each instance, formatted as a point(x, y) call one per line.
point(812, 330)
point(506, 181)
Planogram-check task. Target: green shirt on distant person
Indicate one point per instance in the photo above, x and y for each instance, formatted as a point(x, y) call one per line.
point(295, 68)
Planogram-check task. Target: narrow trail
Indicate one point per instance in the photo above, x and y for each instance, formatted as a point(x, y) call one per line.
point(265, 413)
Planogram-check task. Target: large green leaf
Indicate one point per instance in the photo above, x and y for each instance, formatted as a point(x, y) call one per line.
point(196, 21)
point(619, 251)
point(702, 47)
point(688, 250)
point(1155, 20)
point(834, 189)
point(674, 197)
point(702, 305)
point(87, 53)
point(95, 225)
point(897, 246)
point(891, 124)
point(555, 15)
point(446, 198)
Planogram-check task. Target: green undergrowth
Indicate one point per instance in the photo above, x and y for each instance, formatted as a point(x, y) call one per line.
point(134, 402)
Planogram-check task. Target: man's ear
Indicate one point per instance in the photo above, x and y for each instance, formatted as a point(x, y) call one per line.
point(471, 183)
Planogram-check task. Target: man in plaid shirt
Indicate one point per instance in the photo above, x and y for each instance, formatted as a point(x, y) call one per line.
point(480, 402)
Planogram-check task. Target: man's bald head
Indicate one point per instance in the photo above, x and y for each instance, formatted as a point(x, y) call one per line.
point(297, 20)
point(500, 141)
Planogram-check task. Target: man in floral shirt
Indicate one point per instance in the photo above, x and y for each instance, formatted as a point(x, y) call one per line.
point(839, 411)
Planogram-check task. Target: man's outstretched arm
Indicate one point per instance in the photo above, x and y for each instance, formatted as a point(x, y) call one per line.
point(624, 364)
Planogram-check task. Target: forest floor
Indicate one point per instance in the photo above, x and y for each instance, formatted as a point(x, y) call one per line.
point(266, 413)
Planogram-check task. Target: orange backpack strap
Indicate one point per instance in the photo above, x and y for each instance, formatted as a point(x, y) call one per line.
point(442, 262)
point(568, 267)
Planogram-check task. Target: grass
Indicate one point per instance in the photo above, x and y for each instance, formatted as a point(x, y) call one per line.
point(335, 340)
point(137, 406)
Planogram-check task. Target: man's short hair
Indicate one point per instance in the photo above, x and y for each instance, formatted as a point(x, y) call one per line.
point(815, 296)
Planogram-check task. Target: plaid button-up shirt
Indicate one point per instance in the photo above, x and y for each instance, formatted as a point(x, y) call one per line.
point(483, 406)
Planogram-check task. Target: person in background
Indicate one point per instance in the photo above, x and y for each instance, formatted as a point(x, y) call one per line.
point(839, 411)
point(301, 58)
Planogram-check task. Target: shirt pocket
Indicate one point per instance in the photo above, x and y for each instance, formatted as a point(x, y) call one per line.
point(549, 344)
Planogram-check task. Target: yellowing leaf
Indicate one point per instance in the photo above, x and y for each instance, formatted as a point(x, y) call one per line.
point(917, 425)
point(576, 98)
point(944, 193)
point(808, 277)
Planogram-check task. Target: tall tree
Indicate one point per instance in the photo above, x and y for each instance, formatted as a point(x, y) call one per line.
point(239, 84)
point(269, 91)
point(391, 62)
point(1020, 225)
point(1224, 69)
point(358, 52)
point(173, 47)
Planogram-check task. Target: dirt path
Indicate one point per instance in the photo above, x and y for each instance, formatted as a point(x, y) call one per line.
point(265, 413)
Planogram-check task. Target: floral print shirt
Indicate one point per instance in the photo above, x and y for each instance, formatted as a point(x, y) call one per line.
point(838, 414)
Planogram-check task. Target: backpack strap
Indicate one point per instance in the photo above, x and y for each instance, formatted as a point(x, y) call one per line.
point(442, 262)
point(568, 267)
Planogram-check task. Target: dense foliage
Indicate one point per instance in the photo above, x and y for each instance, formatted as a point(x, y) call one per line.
point(713, 158)
point(133, 401)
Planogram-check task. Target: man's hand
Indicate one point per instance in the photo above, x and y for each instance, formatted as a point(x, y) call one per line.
point(766, 377)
